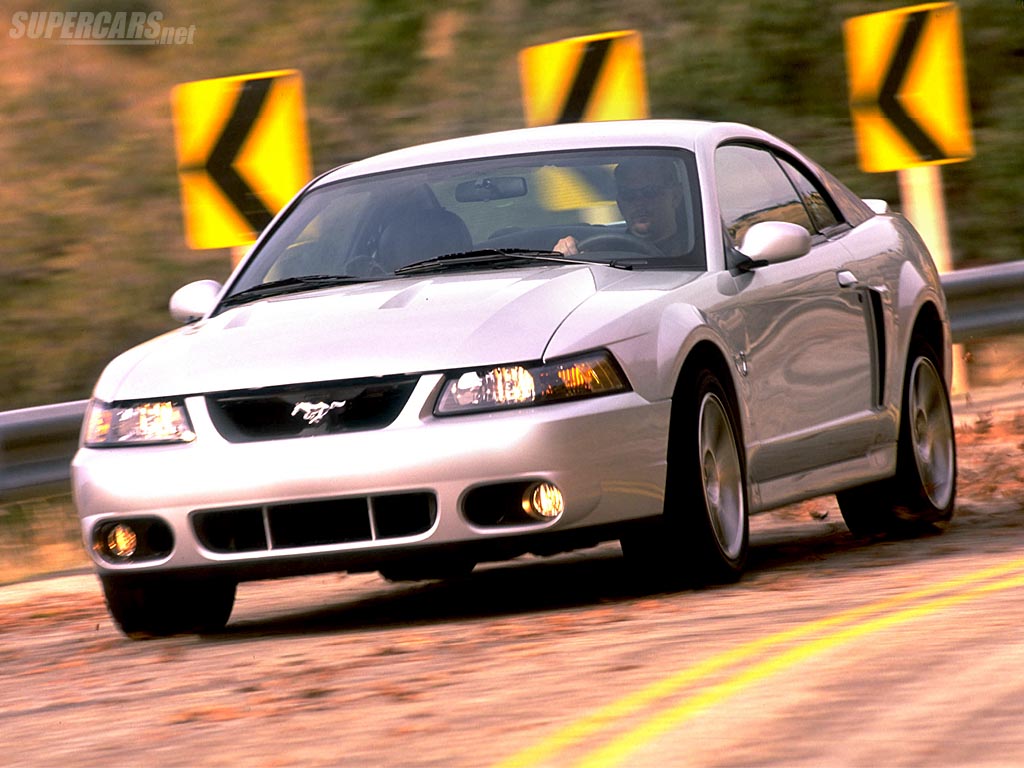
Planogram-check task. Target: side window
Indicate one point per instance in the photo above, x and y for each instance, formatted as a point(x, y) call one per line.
point(752, 187)
point(814, 199)
point(854, 210)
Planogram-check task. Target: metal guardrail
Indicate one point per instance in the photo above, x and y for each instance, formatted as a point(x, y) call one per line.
point(36, 444)
point(985, 301)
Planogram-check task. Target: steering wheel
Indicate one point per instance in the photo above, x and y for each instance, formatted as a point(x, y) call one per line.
point(619, 241)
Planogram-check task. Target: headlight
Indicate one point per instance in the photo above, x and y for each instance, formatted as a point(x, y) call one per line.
point(520, 384)
point(158, 421)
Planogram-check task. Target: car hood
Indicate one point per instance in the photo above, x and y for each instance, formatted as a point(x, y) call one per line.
point(408, 325)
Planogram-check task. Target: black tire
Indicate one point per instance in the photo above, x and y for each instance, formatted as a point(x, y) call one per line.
point(923, 490)
point(436, 570)
point(145, 607)
point(703, 534)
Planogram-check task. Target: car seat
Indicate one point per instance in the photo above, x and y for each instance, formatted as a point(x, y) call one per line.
point(421, 234)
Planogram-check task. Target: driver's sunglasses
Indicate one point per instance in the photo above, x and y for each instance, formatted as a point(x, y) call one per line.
point(650, 192)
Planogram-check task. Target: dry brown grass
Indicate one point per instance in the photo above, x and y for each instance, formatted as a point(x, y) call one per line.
point(39, 537)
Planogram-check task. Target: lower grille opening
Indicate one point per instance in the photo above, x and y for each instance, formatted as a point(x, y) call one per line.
point(400, 515)
point(315, 523)
point(311, 524)
point(231, 530)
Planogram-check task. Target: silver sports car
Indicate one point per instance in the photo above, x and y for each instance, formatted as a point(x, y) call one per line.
point(524, 342)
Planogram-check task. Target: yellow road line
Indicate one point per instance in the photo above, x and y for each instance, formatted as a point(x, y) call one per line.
point(616, 751)
point(546, 750)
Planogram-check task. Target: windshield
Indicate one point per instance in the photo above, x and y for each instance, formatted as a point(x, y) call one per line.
point(638, 207)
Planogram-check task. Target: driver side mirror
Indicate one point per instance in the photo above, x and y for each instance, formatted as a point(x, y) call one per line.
point(194, 301)
point(772, 242)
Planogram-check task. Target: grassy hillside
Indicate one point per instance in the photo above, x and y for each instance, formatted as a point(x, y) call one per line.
point(93, 239)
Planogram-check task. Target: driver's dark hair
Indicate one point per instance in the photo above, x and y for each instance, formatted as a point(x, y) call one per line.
point(659, 169)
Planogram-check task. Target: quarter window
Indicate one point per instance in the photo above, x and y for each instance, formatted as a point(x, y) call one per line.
point(813, 198)
point(753, 187)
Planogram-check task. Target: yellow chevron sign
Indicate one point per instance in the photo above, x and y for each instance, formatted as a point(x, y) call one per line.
point(584, 79)
point(908, 90)
point(242, 153)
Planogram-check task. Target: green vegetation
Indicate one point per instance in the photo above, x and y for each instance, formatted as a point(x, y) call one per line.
point(93, 241)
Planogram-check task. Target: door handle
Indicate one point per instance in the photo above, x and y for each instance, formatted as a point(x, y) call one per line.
point(847, 279)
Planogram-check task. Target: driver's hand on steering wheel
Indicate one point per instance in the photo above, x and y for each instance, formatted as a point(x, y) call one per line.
point(567, 246)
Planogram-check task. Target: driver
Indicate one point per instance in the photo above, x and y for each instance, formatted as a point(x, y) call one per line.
point(648, 196)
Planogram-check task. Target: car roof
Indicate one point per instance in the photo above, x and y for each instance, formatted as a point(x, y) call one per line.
point(622, 133)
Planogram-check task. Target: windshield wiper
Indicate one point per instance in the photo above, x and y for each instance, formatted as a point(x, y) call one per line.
point(288, 285)
point(492, 256)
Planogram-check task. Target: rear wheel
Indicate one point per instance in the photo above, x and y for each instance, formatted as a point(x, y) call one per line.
point(923, 490)
point(704, 532)
point(164, 606)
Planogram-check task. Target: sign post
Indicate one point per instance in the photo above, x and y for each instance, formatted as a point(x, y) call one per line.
point(908, 101)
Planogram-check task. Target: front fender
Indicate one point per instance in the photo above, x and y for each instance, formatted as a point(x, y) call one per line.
point(652, 329)
point(919, 286)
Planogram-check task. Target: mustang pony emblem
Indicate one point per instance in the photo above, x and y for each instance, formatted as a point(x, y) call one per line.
point(314, 412)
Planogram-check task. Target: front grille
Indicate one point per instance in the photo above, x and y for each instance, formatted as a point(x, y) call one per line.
point(303, 410)
point(314, 523)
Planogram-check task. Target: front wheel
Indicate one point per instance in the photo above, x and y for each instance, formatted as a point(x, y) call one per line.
point(703, 534)
point(429, 570)
point(161, 606)
point(923, 490)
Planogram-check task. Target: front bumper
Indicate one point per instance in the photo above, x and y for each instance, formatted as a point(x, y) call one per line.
point(606, 454)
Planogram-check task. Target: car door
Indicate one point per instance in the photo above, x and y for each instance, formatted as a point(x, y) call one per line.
point(803, 330)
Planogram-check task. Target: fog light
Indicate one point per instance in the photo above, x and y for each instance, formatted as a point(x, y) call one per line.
point(122, 541)
point(543, 501)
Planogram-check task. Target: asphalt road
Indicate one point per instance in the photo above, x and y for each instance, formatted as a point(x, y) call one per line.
point(831, 651)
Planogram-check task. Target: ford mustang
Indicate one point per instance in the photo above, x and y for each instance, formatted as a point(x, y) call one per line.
point(524, 342)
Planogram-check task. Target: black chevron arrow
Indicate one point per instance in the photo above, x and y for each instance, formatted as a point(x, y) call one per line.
point(590, 66)
point(220, 164)
point(888, 95)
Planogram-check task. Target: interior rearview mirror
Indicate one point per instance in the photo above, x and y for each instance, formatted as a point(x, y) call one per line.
point(493, 188)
